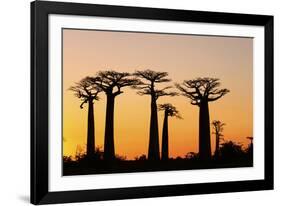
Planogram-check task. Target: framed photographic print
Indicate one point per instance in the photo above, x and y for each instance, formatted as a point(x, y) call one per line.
point(131, 102)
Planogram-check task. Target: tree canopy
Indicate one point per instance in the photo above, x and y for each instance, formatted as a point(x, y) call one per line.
point(147, 83)
point(86, 90)
point(111, 82)
point(170, 109)
point(200, 89)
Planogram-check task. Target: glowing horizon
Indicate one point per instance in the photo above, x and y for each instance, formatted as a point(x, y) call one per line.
point(184, 57)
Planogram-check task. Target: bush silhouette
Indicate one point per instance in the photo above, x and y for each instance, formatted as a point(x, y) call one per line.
point(231, 151)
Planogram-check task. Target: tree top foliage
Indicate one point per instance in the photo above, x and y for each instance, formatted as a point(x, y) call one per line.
point(85, 90)
point(147, 80)
point(202, 89)
point(170, 109)
point(108, 80)
point(218, 127)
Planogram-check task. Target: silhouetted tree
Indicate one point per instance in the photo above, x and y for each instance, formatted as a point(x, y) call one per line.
point(201, 91)
point(147, 87)
point(169, 111)
point(218, 129)
point(88, 92)
point(111, 83)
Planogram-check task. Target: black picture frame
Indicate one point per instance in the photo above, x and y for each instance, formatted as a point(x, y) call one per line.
point(39, 101)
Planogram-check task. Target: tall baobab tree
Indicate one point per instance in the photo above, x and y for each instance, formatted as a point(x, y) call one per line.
point(111, 82)
point(201, 91)
point(169, 111)
point(147, 87)
point(88, 92)
point(218, 127)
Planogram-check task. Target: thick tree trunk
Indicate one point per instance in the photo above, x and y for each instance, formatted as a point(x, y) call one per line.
point(109, 151)
point(91, 130)
point(165, 139)
point(204, 132)
point(153, 150)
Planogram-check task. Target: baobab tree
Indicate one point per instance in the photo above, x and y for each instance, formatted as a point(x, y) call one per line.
point(218, 127)
point(169, 111)
point(148, 79)
point(111, 82)
point(88, 92)
point(201, 91)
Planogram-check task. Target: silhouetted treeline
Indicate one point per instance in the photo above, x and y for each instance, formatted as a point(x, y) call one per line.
point(231, 154)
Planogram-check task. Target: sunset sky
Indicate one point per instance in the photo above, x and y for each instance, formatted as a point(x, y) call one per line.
point(184, 57)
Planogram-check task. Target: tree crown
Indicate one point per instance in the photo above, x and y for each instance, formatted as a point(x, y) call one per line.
point(86, 90)
point(170, 109)
point(152, 76)
point(147, 80)
point(109, 80)
point(202, 89)
point(218, 127)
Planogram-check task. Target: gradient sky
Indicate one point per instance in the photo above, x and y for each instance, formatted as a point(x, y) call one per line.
point(184, 57)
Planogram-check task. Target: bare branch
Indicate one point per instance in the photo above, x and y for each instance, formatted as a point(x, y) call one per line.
point(144, 92)
point(152, 76)
point(170, 110)
point(219, 94)
point(108, 80)
point(85, 90)
point(201, 89)
point(192, 95)
point(81, 105)
point(160, 93)
point(186, 92)
point(218, 127)
point(147, 83)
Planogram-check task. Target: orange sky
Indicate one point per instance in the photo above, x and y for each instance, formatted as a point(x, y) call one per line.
point(184, 57)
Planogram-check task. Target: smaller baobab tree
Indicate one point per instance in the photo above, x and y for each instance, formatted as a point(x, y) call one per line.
point(87, 92)
point(169, 111)
point(201, 91)
point(148, 81)
point(218, 127)
point(111, 83)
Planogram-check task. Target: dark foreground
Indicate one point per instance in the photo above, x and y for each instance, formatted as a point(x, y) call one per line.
point(125, 166)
